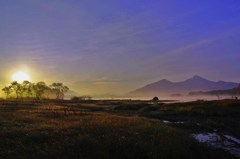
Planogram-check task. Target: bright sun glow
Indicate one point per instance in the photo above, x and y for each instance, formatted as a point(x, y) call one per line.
point(20, 77)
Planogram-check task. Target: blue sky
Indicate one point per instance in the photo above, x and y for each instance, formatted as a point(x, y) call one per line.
point(114, 46)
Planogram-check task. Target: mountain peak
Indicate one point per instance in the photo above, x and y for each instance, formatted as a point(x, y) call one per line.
point(197, 78)
point(164, 80)
point(161, 82)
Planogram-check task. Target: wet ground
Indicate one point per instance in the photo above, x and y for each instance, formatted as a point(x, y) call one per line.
point(222, 141)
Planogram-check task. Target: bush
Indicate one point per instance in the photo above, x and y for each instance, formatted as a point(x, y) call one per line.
point(76, 98)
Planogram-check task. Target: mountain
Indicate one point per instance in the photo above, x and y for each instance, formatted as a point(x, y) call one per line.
point(196, 83)
point(233, 91)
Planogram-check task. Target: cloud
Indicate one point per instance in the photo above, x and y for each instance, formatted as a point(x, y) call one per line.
point(118, 45)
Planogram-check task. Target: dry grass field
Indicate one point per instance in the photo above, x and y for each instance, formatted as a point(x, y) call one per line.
point(68, 130)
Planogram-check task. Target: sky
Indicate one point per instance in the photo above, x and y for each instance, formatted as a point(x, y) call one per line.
point(115, 46)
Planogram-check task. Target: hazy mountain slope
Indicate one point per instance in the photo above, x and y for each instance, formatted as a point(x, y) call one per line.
point(196, 83)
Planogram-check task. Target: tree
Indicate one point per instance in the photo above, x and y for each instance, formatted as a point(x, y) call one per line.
point(37, 90)
point(8, 90)
point(40, 89)
point(17, 88)
point(48, 92)
point(155, 100)
point(59, 90)
point(65, 89)
point(27, 88)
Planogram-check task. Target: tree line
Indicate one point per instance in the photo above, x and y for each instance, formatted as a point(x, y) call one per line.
point(37, 90)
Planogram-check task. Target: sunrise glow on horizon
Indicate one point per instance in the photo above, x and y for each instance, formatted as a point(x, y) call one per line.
point(21, 76)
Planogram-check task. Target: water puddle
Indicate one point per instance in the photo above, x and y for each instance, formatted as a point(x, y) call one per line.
point(225, 142)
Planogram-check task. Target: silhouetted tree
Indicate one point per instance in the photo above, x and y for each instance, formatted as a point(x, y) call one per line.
point(59, 90)
point(37, 90)
point(155, 100)
point(17, 88)
point(48, 91)
point(8, 90)
point(40, 88)
point(27, 89)
point(64, 90)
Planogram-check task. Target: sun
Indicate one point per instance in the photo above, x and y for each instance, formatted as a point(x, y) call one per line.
point(21, 76)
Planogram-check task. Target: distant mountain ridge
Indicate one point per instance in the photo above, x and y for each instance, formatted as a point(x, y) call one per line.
point(196, 83)
point(233, 91)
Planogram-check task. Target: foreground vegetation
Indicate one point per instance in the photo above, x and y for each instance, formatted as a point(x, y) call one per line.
point(209, 116)
point(97, 129)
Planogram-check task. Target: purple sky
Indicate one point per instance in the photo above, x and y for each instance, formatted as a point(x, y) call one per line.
point(115, 46)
